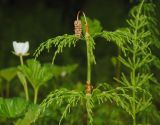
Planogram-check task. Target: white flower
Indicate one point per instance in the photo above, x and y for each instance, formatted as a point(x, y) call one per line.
point(21, 49)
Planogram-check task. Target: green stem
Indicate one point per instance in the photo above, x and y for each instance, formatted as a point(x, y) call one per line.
point(25, 85)
point(88, 61)
point(21, 60)
point(87, 35)
point(26, 91)
point(134, 121)
point(35, 95)
point(134, 97)
point(134, 63)
point(134, 86)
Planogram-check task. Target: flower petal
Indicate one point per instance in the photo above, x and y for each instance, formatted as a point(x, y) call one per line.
point(21, 48)
point(16, 47)
point(25, 47)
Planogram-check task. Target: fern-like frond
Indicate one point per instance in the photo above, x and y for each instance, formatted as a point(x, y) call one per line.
point(59, 42)
point(119, 36)
point(149, 9)
point(62, 96)
point(73, 99)
point(118, 95)
point(89, 107)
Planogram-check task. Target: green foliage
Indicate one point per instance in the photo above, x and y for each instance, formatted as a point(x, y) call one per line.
point(149, 115)
point(67, 40)
point(70, 40)
point(13, 108)
point(8, 74)
point(135, 42)
point(58, 97)
point(22, 78)
point(29, 116)
point(60, 42)
point(149, 9)
point(23, 81)
point(102, 94)
point(156, 62)
point(119, 36)
point(136, 57)
point(35, 73)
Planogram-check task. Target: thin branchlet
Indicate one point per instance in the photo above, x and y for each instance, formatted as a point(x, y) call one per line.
point(60, 42)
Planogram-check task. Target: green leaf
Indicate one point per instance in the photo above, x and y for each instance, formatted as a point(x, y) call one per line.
point(30, 116)
point(8, 74)
point(36, 73)
point(22, 78)
point(13, 107)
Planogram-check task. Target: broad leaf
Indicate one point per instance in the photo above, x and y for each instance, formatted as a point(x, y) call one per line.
point(8, 74)
point(35, 73)
point(22, 78)
point(13, 107)
point(29, 117)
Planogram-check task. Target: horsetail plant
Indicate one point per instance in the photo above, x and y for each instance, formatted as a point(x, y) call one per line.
point(91, 96)
point(136, 57)
point(141, 57)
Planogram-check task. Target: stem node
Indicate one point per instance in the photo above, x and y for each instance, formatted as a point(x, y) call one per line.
point(89, 88)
